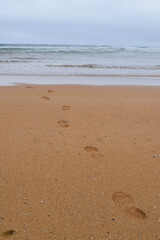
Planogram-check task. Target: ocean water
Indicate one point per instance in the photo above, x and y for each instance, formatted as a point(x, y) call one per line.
point(95, 65)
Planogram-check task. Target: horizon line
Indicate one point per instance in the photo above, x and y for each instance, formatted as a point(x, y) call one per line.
point(94, 45)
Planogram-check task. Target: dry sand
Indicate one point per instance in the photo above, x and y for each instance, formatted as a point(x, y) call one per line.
point(80, 163)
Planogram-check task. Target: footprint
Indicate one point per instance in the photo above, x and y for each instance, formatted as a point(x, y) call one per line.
point(136, 213)
point(50, 91)
point(122, 198)
point(66, 108)
point(29, 87)
point(91, 149)
point(63, 124)
point(45, 98)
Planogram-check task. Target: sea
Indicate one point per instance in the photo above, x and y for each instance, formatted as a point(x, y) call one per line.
point(71, 64)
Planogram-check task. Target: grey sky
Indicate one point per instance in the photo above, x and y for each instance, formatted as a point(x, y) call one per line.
point(120, 22)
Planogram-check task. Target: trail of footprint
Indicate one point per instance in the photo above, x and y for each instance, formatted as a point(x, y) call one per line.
point(91, 149)
point(45, 98)
point(136, 213)
point(66, 108)
point(50, 91)
point(63, 124)
point(122, 198)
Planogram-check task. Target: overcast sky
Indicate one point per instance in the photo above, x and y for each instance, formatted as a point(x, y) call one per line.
point(105, 22)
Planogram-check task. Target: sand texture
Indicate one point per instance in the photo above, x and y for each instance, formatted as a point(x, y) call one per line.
point(79, 163)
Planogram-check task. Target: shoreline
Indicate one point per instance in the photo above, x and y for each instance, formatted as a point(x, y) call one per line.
point(7, 80)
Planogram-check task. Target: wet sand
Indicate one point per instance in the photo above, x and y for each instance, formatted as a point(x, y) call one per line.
point(80, 162)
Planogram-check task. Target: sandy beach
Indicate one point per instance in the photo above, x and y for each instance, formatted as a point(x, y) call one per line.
point(79, 162)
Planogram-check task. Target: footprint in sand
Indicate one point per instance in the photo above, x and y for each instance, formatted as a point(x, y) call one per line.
point(91, 149)
point(50, 91)
point(45, 98)
point(29, 87)
point(94, 152)
point(136, 213)
point(122, 198)
point(63, 124)
point(66, 108)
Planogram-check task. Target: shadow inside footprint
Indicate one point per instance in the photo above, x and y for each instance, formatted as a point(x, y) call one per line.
point(122, 198)
point(45, 98)
point(66, 108)
point(63, 124)
point(91, 149)
point(50, 91)
point(136, 213)
point(8, 233)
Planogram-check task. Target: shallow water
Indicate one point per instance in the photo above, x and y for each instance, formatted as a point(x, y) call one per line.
point(97, 65)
